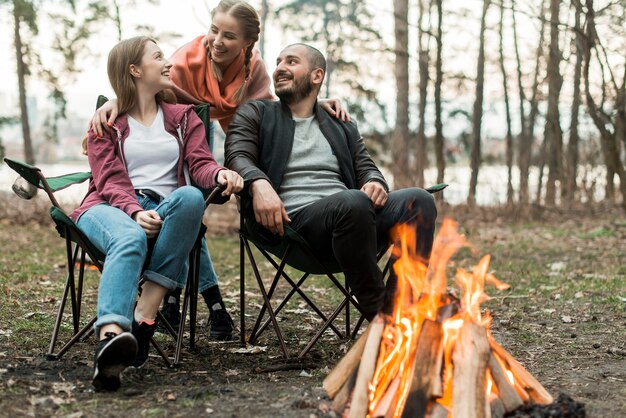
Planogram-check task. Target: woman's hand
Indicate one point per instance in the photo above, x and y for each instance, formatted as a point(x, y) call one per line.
point(149, 221)
point(104, 117)
point(232, 180)
point(334, 108)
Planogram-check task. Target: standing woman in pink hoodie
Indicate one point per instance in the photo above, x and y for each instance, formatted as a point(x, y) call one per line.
point(140, 194)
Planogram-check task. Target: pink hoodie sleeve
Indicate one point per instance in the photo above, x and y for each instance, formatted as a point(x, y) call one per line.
point(203, 168)
point(110, 176)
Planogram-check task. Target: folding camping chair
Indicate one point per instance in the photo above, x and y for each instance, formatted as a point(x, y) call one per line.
point(294, 251)
point(78, 247)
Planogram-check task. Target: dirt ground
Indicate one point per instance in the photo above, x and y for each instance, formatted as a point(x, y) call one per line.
point(564, 319)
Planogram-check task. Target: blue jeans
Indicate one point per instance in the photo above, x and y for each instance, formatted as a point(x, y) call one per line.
point(126, 247)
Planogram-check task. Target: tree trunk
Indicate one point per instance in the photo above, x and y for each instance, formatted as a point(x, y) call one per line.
point(523, 140)
point(572, 145)
point(263, 13)
point(117, 18)
point(401, 133)
point(439, 140)
point(609, 140)
point(552, 130)
point(509, 135)
point(525, 145)
point(423, 56)
point(29, 155)
point(478, 110)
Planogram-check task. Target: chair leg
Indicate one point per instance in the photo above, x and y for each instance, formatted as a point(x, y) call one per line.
point(323, 328)
point(162, 353)
point(193, 300)
point(72, 256)
point(347, 308)
point(267, 301)
point(51, 355)
point(254, 334)
point(242, 292)
point(295, 287)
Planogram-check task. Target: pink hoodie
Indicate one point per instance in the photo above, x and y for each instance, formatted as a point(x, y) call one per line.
point(110, 182)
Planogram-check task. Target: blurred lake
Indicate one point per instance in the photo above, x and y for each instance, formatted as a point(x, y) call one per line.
point(491, 189)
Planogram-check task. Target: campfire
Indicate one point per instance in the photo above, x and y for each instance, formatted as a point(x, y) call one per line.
point(435, 355)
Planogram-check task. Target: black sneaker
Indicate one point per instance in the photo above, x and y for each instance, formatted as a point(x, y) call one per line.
point(171, 312)
point(143, 333)
point(113, 354)
point(220, 323)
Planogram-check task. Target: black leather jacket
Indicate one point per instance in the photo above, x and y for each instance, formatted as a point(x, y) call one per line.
point(260, 138)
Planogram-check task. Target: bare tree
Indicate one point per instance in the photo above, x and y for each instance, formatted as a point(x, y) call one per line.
point(477, 115)
point(552, 131)
point(423, 54)
point(610, 124)
point(572, 146)
point(24, 16)
point(400, 144)
point(439, 140)
point(509, 135)
point(526, 140)
point(263, 14)
point(520, 87)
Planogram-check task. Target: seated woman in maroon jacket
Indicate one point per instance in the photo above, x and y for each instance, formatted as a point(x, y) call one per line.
point(142, 168)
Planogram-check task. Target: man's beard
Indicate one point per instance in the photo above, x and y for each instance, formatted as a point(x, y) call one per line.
point(300, 89)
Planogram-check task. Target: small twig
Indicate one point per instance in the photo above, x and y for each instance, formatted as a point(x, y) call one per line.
point(285, 366)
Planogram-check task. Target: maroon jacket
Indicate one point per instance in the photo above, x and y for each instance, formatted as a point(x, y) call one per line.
point(110, 182)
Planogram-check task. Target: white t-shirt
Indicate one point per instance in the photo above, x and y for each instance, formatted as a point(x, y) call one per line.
point(151, 155)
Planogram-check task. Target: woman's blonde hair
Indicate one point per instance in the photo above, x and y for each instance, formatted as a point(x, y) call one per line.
point(126, 53)
point(248, 20)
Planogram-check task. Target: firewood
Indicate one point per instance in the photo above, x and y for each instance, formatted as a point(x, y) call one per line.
point(470, 358)
point(497, 407)
point(428, 353)
point(507, 394)
point(338, 376)
point(341, 399)
point(359, 404)
point(438, 411)
point(388, 399)
point(535, 390)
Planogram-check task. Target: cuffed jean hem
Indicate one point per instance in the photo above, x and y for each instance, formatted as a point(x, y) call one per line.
point(120, 320)
point(161, 280)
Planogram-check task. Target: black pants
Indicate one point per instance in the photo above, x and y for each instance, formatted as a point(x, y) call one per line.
point(345, 227)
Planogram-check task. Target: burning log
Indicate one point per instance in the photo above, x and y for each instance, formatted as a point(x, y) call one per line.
point(340, 402)
point(507, 394)
point(470, 358)
point(359, 404)
point(535, 390)
point(438, 411)
point(337, 378)
point(426, 382)
point(496, 407)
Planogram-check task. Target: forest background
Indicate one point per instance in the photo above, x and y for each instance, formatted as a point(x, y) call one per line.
point(534, 88)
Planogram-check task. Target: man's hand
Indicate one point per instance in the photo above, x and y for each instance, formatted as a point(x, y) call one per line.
point(232, 180)
point(149, 221)
point(334, 108)
point(376, 192)
point(269, 210)
point(104, 117)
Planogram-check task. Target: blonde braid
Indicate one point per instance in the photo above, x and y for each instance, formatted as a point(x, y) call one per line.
point(242, 92)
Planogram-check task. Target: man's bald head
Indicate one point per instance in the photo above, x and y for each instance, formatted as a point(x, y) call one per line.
point(313, 55)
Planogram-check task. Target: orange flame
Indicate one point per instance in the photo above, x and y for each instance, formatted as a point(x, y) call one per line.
point(421, 292)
